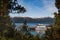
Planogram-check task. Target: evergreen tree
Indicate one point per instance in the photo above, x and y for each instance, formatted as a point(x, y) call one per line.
point(7, 31)
point(24, 27)
point(56, 33)
point(55, 30)
point(6, 7)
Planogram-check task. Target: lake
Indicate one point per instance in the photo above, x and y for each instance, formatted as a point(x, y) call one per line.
point(30, 25)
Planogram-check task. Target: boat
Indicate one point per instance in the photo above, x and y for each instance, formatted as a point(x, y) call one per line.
point(40, 28)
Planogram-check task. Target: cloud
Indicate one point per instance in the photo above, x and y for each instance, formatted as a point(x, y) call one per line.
point(50, 5)
point(37, 8)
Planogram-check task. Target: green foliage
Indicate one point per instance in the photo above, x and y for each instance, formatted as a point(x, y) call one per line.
point(13, 5)
point(7, 30)
point(9, 33)
point(57, 21)
point(55, 34)
point(57, 3)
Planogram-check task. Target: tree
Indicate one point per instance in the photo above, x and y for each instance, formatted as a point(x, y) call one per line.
point(57, 4)
point(6, 7)
point(56, 28)
point(55, 35)
point(24, 27)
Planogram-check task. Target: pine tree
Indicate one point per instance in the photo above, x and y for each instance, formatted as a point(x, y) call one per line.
point(6, 7)
point(56, 33)
point(55, 30)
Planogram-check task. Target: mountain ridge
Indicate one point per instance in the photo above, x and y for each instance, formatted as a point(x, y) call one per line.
point(34, 20)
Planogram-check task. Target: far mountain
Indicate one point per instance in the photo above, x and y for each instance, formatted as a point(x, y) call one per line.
point(47, 20)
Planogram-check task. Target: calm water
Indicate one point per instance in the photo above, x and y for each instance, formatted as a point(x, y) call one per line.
point(29, 25)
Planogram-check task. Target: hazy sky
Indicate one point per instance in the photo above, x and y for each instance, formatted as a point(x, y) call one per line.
point(37, 8)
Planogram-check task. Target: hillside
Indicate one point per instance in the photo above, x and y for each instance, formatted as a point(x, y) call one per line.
point(47, 20)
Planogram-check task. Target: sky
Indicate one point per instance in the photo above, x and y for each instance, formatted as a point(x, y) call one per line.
point(37, 8)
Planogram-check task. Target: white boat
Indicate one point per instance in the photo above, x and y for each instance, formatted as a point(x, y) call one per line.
point(40, 28)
